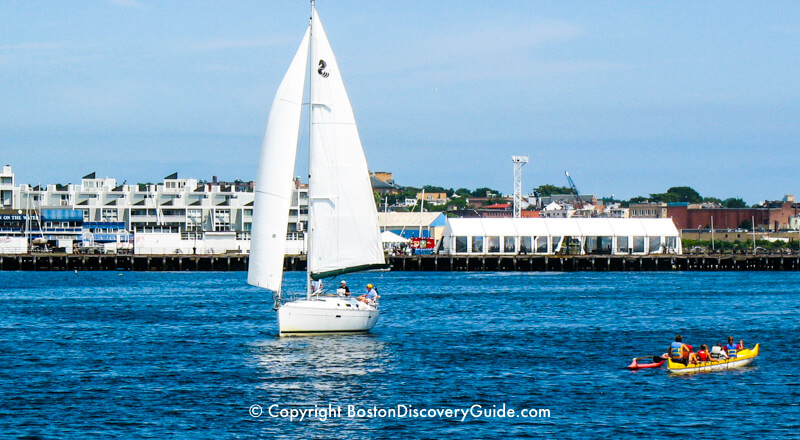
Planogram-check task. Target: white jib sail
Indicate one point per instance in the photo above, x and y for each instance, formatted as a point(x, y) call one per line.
point(274, 179)
point(344, 220)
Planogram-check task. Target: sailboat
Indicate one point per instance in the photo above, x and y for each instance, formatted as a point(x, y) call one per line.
point(343, 234)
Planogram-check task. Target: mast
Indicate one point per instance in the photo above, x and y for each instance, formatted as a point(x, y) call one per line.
point(310, 125)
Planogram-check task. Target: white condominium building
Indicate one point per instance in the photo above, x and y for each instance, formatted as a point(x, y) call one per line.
point(185, 206)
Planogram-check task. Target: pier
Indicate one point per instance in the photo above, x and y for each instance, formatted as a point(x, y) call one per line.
point(445, 263)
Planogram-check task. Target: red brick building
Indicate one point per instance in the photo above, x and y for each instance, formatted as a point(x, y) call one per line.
point(774, 216)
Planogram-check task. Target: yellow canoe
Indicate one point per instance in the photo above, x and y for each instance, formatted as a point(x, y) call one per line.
point(743, 357)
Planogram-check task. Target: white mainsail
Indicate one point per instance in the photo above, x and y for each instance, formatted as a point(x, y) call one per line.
point(274, 179)
point(344, 232)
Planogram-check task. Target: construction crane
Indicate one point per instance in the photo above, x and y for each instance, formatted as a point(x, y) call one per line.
point(575, 193)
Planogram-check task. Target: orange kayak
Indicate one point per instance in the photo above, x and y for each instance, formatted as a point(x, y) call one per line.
point(655, 362)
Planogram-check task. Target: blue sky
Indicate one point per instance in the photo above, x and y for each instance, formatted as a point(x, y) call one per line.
point(630, 97)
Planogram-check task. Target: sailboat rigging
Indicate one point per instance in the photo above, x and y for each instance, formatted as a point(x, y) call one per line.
point(343, 234)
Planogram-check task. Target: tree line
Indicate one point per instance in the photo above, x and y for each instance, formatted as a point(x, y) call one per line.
point(458, 197)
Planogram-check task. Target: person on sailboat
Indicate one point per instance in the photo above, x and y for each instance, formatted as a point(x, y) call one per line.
point(316, 287)
point(343, 290)
point(371, 296)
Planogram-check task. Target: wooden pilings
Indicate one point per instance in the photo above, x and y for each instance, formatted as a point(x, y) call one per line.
point(426, 263)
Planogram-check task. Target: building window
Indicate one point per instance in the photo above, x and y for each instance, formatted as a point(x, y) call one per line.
point(672, 244)
point(598, 245)
point(541, 245)
point(655, 245)
point(525, 245)
point(556, 243)
point(493, 244)
point(638, 244)
point(622, 244)
point(461, 244)
point(510, 244)
point(110, 214)
point(477, 244)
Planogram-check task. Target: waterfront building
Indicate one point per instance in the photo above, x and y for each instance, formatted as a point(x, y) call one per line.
point(413, 224)
point(99, 210)
point(6, 187)
point(648, 210)
point(771, 215)
point(557, 236)
point(174, 216)
point(13, 239)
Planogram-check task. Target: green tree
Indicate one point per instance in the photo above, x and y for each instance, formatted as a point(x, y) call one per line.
point(549, 190)
point(482, 191)
point(463, 192)
point(686, 194)
point(746, 224)
point(666, 197)
point(637, 199)
point(438, 189)
point(734, 203)
point(457, 203)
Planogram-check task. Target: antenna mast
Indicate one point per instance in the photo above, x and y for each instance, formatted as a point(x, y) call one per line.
point(519, 162)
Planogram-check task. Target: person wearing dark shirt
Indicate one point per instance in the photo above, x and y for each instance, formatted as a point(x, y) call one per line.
point(343, 290)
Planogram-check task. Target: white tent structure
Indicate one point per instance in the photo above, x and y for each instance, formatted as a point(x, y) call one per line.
point(549, 236)
point(389, 237)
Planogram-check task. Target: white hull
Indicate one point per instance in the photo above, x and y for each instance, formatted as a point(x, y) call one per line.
point(326, 315)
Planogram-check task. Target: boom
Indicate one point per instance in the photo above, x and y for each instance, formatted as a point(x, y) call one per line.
point(575, 193)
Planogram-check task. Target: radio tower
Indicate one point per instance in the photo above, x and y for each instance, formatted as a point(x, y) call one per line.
point(518, 162)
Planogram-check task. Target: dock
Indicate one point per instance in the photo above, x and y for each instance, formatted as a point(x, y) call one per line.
point(413, 263)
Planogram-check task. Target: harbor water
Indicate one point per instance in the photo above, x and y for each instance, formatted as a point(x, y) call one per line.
point(197, 355)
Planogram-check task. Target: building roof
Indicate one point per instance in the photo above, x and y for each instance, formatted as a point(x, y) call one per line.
point(382, 184)
point(498, 206)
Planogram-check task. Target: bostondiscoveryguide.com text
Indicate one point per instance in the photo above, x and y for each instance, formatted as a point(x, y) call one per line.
point(402, 411)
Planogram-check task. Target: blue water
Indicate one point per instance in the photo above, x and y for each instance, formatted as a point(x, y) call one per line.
point(185, 355)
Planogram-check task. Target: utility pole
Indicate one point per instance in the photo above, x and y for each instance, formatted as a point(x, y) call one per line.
point(519, 162)
point(421, 209)
point(712, 233)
